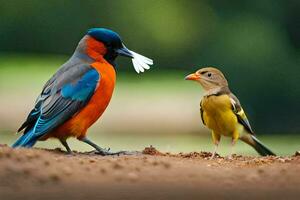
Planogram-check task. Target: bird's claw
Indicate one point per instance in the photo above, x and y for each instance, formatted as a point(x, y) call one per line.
point(230, 157)
point(118, 153)
point(105, 152)
point(106, 149)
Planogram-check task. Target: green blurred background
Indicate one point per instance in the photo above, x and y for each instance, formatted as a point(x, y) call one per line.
point(254, 42)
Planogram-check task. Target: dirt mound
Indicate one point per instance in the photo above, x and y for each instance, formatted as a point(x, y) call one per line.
point(152, 151)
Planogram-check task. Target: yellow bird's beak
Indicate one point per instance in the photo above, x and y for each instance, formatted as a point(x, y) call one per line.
point(192, 77)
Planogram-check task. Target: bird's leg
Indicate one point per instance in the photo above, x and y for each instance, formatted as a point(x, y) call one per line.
point(232, 149)
point(216, 139)
point(65, 144)
point(233, 141)
point(99, 150)
point(215, 151)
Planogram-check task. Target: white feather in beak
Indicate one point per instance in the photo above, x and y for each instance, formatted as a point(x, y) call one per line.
point(140, 63)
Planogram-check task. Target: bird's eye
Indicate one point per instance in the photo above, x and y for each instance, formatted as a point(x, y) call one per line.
point(209, 74)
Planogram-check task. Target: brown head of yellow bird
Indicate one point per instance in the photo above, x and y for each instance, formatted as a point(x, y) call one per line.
point(210, 78)
point(222, 112)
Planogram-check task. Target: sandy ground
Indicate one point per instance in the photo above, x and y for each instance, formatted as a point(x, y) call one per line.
point(51, 174)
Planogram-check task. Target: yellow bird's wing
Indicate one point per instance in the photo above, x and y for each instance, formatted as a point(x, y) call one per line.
point(201, 113)
point(239, 112)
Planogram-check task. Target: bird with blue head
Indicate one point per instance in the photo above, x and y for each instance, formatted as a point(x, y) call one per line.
point(76, 96)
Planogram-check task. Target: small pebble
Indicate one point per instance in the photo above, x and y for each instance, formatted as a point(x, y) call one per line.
point(117, 166)
point(133, 177)
point(260, 171)
point(67, 171)
point(54, 177)
point(166, 165)
point(138, 169)
point(103, 171)
point(46, 163)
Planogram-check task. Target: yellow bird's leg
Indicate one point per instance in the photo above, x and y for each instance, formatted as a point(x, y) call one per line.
point(235, 137)
point(216, 140)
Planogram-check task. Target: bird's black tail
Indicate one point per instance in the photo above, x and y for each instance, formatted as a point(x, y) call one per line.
point(257, 145)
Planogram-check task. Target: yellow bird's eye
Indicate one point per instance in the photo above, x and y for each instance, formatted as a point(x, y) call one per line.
point(209, 74)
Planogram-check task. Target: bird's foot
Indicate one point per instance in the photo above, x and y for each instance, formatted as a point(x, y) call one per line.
point(130, 153)
point(70, 154)
point(215, 151)
point(231, 156)
point(213, 155)
point(106, 152)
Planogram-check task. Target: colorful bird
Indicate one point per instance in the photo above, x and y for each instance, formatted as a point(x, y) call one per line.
point(222, 112)
point(79, 92)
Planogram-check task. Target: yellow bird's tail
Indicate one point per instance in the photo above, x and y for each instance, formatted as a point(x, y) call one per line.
point(257, 145)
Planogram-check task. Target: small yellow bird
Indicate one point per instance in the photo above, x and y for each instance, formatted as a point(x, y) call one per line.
point(222, 112)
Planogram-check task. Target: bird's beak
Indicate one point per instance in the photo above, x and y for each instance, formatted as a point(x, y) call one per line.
point(192, 77)
point(124, 52)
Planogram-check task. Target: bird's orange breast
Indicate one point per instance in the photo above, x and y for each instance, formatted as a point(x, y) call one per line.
point(79, 123)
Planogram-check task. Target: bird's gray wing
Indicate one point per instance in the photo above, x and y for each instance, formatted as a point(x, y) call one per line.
point(62, 96)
